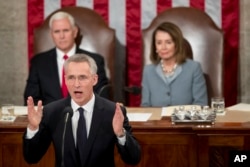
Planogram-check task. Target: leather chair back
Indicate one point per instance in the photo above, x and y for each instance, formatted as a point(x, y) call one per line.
point(94, 35)
point(204, 42)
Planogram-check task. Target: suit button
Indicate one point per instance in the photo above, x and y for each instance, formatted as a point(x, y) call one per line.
point(168, 93)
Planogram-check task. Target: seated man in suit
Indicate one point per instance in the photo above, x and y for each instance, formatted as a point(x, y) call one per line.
point(45, 81)
point(84, 127)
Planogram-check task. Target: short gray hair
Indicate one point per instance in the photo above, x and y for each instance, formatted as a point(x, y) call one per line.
point(78, 58)
point(61, 15)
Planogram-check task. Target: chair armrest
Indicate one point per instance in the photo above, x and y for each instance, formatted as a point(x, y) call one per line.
point(106, 91)
point(136, 90)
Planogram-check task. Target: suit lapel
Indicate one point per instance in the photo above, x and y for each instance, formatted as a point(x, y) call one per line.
point(169, 80)
point(96, 122)
point(55, 79)
point(70, 156)
point(70, 149)
point(159, 72)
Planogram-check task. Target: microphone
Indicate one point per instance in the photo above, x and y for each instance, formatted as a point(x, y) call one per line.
point(68, 114)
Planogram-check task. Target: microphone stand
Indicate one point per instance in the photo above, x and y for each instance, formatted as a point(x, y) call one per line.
point(69, 113)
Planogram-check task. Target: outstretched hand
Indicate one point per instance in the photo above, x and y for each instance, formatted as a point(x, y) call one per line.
point(34, 114)
point(118, 121)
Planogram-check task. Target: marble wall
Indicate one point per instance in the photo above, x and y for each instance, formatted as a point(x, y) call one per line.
point(13, 47)
point(244, 53)
point(14, 63)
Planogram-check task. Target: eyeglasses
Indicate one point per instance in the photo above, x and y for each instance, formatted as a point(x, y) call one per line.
point(81, 79)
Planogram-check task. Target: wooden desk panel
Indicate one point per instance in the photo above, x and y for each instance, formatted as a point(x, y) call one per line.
point(163, 144)
point(11, 154)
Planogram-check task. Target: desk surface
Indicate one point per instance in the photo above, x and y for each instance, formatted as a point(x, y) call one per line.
point(232, 120)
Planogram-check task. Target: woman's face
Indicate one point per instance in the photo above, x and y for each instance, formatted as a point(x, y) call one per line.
point(165, 46)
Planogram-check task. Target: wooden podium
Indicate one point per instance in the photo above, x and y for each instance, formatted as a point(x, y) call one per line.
point(163, 144)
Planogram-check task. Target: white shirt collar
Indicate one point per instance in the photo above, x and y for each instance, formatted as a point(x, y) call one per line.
point(60, 53)
point(89, 107)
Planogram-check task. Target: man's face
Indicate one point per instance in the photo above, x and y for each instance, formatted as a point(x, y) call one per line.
point(80, 82)
point(63, 34)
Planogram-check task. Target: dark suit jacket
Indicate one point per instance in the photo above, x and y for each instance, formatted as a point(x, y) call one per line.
point(43, 80)
point(100, 144)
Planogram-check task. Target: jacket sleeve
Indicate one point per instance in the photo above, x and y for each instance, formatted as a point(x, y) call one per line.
point(131, 151)
point(35, 148)
point(199, 87)
point(32, 86)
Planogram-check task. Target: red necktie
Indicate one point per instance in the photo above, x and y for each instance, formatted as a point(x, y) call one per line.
point(64, 87)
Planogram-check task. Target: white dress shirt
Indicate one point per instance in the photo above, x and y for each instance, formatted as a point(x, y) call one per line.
point(60, 60)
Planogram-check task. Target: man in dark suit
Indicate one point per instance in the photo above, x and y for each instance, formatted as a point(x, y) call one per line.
point(45, 79)
point(106, 124)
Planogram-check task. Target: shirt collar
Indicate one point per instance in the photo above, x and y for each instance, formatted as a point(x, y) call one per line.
point(60, 53)
point(89, 107)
